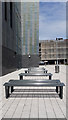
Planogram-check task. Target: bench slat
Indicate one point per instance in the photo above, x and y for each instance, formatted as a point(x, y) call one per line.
point(44, 81)
point(35, 74)
point(22, 83)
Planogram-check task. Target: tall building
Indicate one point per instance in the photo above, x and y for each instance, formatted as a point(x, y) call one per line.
point(30, 32)
point(51, 50)
point(20, 35)
point(11, 36)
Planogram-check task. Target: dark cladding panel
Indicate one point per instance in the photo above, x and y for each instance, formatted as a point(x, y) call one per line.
point(0, 38)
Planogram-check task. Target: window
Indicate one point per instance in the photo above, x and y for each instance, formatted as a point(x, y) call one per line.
point(11, 14)
point(5, 4)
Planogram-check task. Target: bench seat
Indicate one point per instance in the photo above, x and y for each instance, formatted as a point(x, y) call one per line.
point(35, 74)
point(36, 71)
point(36, 68)
point(38, 80)
point(34, 83)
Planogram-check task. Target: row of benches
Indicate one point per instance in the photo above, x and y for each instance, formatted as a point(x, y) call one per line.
point(35, 72)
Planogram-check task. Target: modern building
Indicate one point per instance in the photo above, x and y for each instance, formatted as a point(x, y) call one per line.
point(11, 36)
point(52, 50)
point(20, 35)
point(30, 33)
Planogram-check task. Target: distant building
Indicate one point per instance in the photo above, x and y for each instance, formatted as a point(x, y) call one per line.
point(51, 50)
point(11, 36)
point(30, 33)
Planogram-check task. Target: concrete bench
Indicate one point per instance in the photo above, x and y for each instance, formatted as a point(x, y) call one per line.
point(36, 71)
point(35, 74)
point(34, 83)
point(36, 68)
point(38, 80)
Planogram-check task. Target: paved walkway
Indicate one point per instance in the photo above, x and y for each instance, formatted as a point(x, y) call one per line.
point(35, 102)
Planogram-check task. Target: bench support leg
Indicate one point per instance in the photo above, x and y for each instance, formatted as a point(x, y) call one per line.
point(61, 92)
point(7, 91)
point(21, 77)
point(25, 71)
point(12, 89)
point(57, 89)
point(50, 77)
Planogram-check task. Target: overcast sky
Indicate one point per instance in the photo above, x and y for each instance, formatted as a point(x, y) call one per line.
point(52, 20)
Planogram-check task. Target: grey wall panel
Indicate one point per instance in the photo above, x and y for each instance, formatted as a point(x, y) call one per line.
point(10, 61)
point(30, 62)
point(0, 38)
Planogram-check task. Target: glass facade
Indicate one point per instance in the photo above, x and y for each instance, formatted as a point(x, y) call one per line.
point(12, 26)
point(11, 37)
point(18, 28)
point(30, 21)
